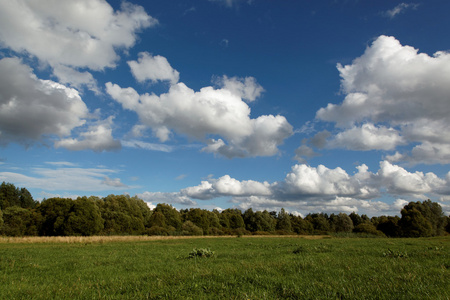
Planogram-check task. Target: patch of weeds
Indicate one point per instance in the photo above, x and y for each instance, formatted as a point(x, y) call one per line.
point(395, 254)
point(300, 249)
point(202, 252)
point(436, 248)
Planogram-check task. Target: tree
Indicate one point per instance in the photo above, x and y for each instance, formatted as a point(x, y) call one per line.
point(319, 222)
point(232, 218)
point(12, 196)
point(1, 220)
point(422, 219)
point(55, 212)
point(190, 228)
point(343, 223)
point(414, 224)
point(17, 221)
point(301, 226)
point(172, 215)
point(84, 218)
point(284, 221)
point(388, 225)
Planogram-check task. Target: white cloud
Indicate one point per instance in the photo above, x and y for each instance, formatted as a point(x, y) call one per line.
point(400, 9)
point(226, 186)
point(168, 198)
point(77, 33)
point(320, 189)
point(402, 93)
point(200, 115)
point(246, 88)
point(367, 137)
point(304, 152)
point(153, 68)
point(98, 137)
point(67, 75)
point(114, 182)
point(66, 179)
point(147, 146)
point(32, 109)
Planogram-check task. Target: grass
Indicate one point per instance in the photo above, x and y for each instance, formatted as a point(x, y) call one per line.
point(241, 268)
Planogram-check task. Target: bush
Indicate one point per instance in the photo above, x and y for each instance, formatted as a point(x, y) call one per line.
point(202, 252)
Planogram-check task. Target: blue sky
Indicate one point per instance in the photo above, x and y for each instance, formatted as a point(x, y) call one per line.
point(314, 106)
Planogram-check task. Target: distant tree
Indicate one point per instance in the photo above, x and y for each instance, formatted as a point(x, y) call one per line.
point(172, 215)
point(18, 221)
point(388, 225)
point(414, 224)
point(232, 218)
point(199, 217)
point(284, 221)
point(12, 196)
point(343, 223)
point(367, 228)
point(1, 220)
point(158, 219)
point(301, 226)
point(422, 219)
point(189, 228)
point(55, 213)
point(124, 214)
point(319, 222)
point(84, 218)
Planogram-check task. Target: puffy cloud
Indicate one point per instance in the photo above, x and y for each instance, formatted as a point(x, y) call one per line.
point(399, 181)
point(247, 88)
point(315, 189)
point(209, 112)
point(304, 152)
point(82, 33)
point(98, 137)
point(394, 85)
point(67, 75)
point(227, 186)
point(32, 109)
point(367, 137)
point(153, 68)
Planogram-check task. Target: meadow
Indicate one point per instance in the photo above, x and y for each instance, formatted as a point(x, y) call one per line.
point(247, 267)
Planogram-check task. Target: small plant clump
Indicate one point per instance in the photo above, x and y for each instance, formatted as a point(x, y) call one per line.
point(202, 252)
point(395, 254)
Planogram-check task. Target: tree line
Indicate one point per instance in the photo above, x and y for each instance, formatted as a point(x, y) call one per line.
point(21, 215)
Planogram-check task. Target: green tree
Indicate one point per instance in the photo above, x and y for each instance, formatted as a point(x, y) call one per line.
point(84, 218)
point(232, 218)
point(124, 214)
point(319, 222)
point(18, 221)
point(388, 225)
point(9, 195)
point(284, 221)
point(414, 224)
point(1, 220)
point(55, 212)
point(189, 228)
point(343, 223)
point(422, 219)
point(172, 215)
point(301, 226)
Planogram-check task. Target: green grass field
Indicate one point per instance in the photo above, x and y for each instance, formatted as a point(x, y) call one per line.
point(241, 268)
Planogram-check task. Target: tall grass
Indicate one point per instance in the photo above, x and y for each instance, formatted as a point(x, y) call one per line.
point(241, 268)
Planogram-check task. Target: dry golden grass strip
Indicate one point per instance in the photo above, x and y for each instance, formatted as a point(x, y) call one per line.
point(129, 238)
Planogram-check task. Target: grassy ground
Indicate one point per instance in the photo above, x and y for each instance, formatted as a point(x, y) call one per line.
point(242, 268)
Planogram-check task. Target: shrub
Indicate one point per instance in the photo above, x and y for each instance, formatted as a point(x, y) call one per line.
point(202, 252)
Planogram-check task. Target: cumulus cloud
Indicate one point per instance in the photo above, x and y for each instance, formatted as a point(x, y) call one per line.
point(314, 189)
point(153, 68)
point(98, 137)
point(206, 114)
point(396, 95)
point(367, 137)
point(32, 109)
point(76, 79)
point(247, 88)
point(82, 33)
